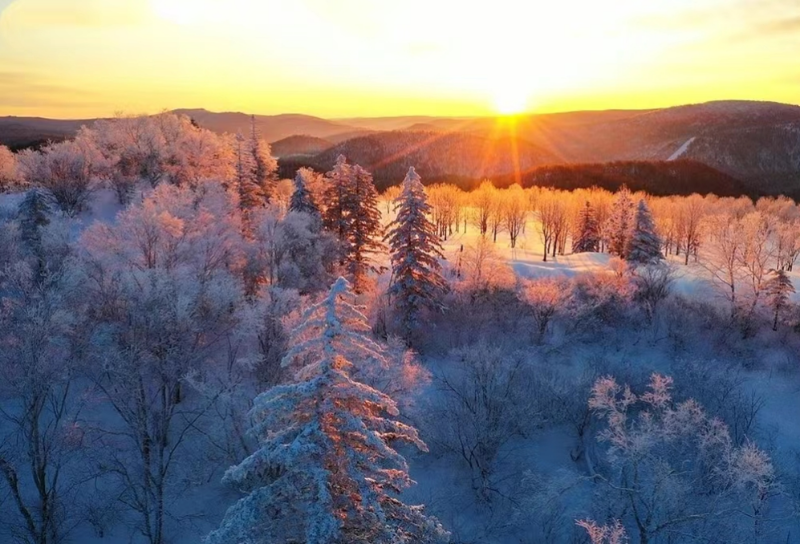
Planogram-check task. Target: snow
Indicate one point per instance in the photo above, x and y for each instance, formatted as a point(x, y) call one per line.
point(442, 484)
point(682, 149)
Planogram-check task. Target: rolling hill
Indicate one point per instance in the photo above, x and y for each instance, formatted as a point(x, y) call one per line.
point(757, 143)
point(17, 132)
point(300, 145)
point(436, 156)
point(271, 127)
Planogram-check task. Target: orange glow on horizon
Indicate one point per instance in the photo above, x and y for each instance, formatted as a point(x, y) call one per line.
point(86, 58)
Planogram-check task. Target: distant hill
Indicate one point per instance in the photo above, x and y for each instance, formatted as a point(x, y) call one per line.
point(20, 132)
point(755, 142)
point(300, 145)
point(271, 127)
point(436, 156)
point(661, 178)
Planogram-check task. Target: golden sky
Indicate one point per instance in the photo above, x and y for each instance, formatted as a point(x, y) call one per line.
point(337, 58)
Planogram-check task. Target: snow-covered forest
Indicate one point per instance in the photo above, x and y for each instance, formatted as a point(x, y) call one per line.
point(194, 350)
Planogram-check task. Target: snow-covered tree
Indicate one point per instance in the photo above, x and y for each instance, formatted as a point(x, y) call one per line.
point(644, 244)
point(64, 169)
point(261, 163)
point(324, 470)
point(251, 194)
point(336, 198)
point(544, 297)
point(415, 252)
point(588, 232)
point(365, 229)
point(513, 212)
point(302, 200)
point(551, 211)
point(778, 288)
point(352, 214)
point(292, 252)
point(163, 283)
point(34, 214)
point(618, 228)
point(43, 439)
point(8, 168)
point(670, 467)
point(604, 534)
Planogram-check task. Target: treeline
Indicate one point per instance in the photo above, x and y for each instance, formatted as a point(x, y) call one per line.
point(659, 178)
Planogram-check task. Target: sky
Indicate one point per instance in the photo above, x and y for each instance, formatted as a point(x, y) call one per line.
point(343, 58)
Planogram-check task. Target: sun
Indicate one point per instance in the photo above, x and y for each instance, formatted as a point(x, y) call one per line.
point(510, 100)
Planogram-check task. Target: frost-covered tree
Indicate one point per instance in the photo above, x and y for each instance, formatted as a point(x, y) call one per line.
point(261, 163)
point(365, 229)
point(324, 471)
point(588, 232)
point(513, 211)
point(302, 200)
point(544, 297)
point(8, 168)
point(604, 534)
point(34, 214)
point(164, 287)
point(415, 252)
point(672, 469)
point(352, 214)
point(157, 148)
point(65, 169)
point(778, 288)
point(42, 433)
point(335, 198)
point(618, 228)
point(251, 194)
point(551, 211)
point(644, 244)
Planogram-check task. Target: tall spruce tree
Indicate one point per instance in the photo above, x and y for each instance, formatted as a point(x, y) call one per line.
point(778, 288)
point(588, 239)
point(302, 201)
point(326, 470)
point(33, 214)
point(336, 195)
point(365, 230)
point(262, 164)
point(644, 243)
point(251, 195)
point(618, 228)
point(352, 214)
point(415, 251)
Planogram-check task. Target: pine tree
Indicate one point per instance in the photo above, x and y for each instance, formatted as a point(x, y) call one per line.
point(338, 185)
point(33, 213)
point(302, 201)
point(261, 163)
point(778, 288)
point(352, 214)
point(365, 231)
point(619, 223)
point(324, 471)
point(251, 195)
point(644, 243)
point(588, 232)
point(415, 251)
